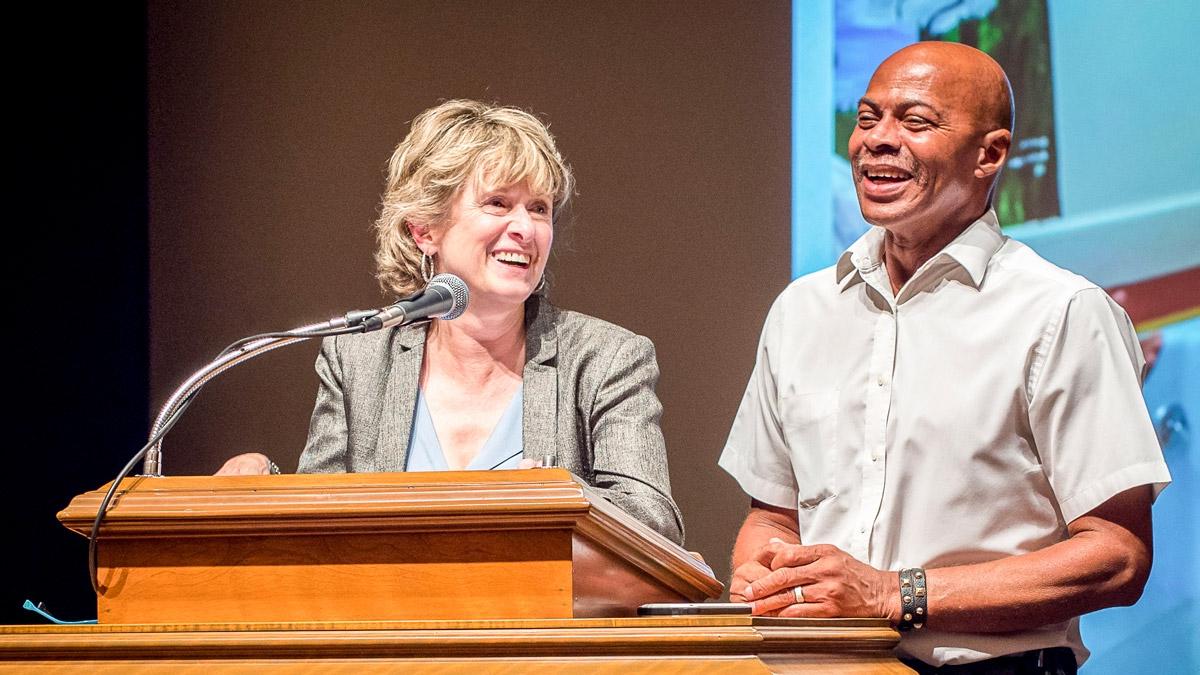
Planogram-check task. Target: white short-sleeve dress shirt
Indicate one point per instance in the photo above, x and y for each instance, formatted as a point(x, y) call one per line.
point(968, 417)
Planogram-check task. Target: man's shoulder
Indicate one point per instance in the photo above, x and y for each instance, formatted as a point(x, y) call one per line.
point(806, 298)
point(822, 283)
point(813, 292)
point(1017, 263)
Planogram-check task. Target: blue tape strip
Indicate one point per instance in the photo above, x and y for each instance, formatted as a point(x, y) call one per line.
point(37, 609)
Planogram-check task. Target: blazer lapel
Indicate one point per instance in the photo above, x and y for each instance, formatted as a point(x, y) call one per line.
point(539, 413)
point(400, 400)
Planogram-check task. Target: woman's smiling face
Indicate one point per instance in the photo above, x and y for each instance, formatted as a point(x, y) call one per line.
point(497, 239)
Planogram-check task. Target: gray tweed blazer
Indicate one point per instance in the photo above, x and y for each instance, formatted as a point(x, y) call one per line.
point(588, 401)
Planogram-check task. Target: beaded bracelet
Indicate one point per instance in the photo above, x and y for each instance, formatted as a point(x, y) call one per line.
point(913, 602)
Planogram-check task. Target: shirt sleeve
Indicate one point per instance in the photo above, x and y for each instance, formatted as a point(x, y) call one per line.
point(1087, 415)
point(756, 454)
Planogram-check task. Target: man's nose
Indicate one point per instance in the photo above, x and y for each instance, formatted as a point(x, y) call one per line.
point(883, 137)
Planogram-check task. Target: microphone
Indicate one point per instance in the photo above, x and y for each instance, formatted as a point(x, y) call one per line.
point(444, 298)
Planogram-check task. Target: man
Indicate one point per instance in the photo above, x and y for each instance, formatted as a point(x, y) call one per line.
point(943, 429)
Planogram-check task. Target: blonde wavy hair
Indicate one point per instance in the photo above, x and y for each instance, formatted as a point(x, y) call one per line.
point(449, 145)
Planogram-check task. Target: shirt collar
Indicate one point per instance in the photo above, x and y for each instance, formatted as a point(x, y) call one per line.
point(974, 248)
point(862, 256)
point(971, 250)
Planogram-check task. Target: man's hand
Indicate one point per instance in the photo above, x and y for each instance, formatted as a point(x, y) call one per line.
point(764, 525)
point(249, 464)
point(745, 574)
point(834, 584)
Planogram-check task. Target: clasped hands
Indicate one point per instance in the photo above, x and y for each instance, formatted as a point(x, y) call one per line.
point(833, 583)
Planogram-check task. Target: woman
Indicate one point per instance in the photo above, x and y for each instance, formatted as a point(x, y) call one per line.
point(474, 190)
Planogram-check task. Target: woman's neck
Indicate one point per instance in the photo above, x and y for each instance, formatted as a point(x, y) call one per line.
point(474, 349)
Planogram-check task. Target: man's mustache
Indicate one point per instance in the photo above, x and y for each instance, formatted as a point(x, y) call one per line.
point(890, 161)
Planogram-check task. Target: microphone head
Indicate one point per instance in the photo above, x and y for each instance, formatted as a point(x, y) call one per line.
point(458, 291)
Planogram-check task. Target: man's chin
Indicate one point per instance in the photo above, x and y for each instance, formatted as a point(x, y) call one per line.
point(885, 216)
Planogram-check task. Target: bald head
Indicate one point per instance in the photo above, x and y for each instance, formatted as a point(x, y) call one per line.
point(976, 82)
point(932, 135)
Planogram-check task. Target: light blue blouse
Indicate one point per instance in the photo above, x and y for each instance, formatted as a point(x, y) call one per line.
point(501, 451)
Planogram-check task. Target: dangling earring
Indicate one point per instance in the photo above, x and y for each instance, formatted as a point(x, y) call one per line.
point(541, 287)
point(426, 267)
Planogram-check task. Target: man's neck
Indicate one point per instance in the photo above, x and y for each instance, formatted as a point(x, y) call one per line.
point(904, 251)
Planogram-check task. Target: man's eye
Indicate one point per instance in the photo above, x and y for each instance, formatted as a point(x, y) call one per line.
point(916, 122)
point(866, 120)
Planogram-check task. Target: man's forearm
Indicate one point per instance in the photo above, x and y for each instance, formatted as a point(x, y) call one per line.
point(762, 524)
point(1104, 563)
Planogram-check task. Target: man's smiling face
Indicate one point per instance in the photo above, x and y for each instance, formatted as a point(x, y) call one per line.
point(919, 139)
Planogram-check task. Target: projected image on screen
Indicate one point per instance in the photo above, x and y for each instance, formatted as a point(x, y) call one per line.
point(1014, 32)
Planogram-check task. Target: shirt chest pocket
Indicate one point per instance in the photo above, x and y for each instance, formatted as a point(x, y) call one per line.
point(810, 428)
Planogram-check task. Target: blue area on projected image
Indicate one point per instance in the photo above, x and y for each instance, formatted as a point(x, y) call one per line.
point(1159, 634)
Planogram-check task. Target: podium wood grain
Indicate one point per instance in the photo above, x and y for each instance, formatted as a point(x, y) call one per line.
point(717, 644)
point(377, 547)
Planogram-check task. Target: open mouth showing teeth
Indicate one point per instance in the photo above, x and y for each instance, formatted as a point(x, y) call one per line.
point(886, 175)
point(511, 258)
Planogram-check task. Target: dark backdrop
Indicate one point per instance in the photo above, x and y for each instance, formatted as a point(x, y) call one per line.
point(77, 340)
point(266, 127)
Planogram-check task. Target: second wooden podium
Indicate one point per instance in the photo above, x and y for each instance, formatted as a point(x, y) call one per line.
point(533, 544)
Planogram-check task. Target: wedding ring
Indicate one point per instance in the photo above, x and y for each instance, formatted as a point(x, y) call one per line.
point(799, 593)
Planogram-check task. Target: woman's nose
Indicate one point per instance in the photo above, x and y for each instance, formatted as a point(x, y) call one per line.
point(520, 222)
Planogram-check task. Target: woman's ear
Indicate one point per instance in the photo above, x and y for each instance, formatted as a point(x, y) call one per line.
point(423, 237)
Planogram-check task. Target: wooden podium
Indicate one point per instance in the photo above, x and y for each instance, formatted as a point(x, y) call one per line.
point(512, 571)
point(533, 544)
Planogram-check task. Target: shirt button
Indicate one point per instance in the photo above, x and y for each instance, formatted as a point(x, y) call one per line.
point(874, 458)
point(863, 529)
point(881, 380)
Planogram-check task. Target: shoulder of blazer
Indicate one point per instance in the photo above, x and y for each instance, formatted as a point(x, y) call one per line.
point(584, 340)
point(371, 351)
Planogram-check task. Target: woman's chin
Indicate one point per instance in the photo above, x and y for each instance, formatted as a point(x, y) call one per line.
point(501, 295)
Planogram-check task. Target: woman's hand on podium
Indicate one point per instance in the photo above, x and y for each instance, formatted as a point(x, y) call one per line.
point(248, 464)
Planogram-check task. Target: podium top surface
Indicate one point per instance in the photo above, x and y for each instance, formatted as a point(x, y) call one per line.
point(368, 499)
point(204, 507)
